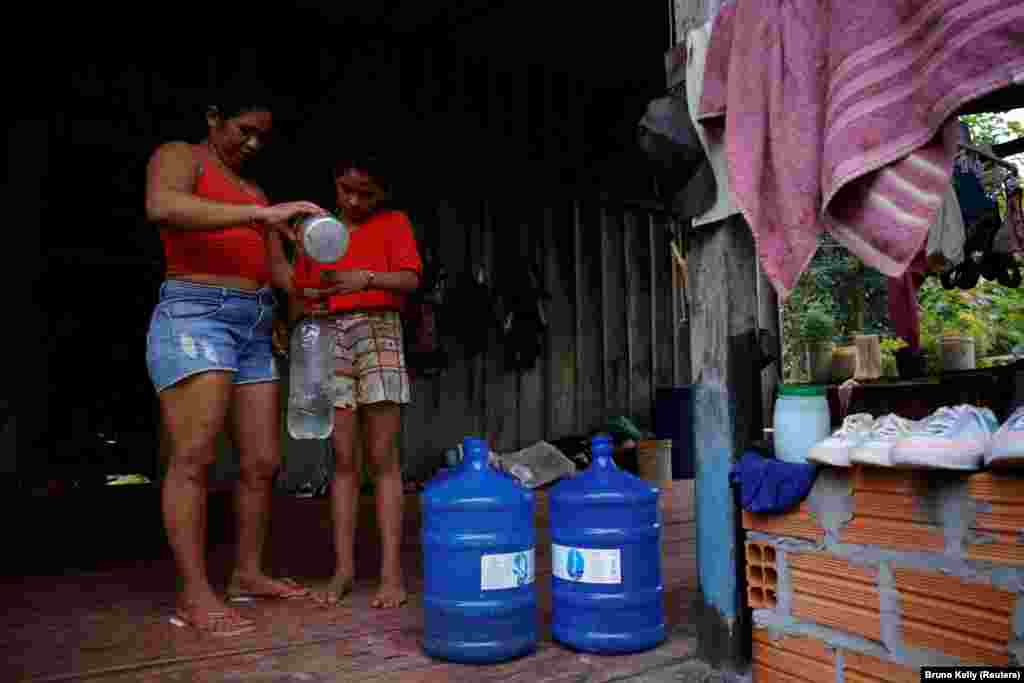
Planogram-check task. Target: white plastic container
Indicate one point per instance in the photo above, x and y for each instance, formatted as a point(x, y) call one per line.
point(310, 393)
point(801, 420)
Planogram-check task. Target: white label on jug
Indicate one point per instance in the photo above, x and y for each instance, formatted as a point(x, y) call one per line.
point(509, 570)
point(586, 565)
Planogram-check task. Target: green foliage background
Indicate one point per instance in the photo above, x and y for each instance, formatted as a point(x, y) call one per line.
point(857, 297)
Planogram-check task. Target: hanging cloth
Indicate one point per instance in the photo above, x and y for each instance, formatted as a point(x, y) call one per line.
point(1013, 223)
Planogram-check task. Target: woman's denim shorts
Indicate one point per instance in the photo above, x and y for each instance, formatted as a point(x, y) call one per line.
point(197, 328)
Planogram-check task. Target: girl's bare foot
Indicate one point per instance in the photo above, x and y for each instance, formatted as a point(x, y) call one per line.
point(335, 591)
point(390, 596)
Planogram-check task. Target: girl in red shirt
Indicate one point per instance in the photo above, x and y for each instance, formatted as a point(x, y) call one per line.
point(362, 295)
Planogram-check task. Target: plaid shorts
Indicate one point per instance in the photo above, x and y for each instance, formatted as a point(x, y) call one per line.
point(369, 362)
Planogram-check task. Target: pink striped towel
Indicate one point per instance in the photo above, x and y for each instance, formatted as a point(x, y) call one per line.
point(840, 115)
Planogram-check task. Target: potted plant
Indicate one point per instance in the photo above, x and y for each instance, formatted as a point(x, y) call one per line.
point(891, 355)
point(844, 360)
point(817, 328)
point(956, 347)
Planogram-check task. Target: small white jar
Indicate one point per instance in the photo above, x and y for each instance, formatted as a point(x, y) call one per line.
point(801, 420)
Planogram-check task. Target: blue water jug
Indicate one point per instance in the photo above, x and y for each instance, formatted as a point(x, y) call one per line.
point(607, 595)
point(479, 601)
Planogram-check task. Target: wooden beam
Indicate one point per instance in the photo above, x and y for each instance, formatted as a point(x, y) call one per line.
point(725, 316)
point(28, 145)
point(1002, 100)
point(1008, 149)
point(723, 337)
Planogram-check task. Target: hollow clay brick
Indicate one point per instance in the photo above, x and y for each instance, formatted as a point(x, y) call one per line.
point(1005, 488)
point(893, 534)
point(970, 649)
point(886, 505)
point(755, 575)
point(891, 509)
point(967, 620)
point(861, 668)
point(797, 523)
point(791, 659)
point(834, 593)
point(1005, 550)
point(755, 597)
point(1000, 521)
point(908, 482)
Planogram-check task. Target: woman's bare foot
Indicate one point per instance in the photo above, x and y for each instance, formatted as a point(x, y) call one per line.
point(262, 586)
point(211, 616)
point(335, 590)
point(390, 596)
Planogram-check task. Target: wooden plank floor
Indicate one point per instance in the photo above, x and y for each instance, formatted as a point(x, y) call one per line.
point(112, 625)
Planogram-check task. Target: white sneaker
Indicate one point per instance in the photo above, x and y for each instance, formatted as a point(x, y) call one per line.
point(949, 439)
point(835, 450)
point(876, 448)
point(1007, 446)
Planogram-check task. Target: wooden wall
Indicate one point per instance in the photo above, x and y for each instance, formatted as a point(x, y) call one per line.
point(610, 343)
point(501, 163)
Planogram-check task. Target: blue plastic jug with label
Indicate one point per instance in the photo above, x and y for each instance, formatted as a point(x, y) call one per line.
point(607, 594)
point(479, 600)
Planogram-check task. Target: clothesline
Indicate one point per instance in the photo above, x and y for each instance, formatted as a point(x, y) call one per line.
point(991, 157)
point(1009, 149)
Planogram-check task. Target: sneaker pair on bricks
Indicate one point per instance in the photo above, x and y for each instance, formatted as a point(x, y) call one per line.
point(863, 440)
point(1007, 446)
point(954, 438)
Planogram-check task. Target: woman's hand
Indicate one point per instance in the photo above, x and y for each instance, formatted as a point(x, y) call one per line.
point(278, 215)
point(280, 340)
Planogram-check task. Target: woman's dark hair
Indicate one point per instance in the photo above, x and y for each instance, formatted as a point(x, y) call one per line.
point(238, 96)
point(370, 163)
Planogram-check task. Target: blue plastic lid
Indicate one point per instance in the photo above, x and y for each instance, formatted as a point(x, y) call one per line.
point(603, 482)
point(475, 451)
point(474, 484)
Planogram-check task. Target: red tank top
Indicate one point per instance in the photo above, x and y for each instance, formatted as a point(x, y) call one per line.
point(239, 250)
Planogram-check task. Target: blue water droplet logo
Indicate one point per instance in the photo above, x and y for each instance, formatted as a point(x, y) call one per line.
point(520, 568)
point(574, 564)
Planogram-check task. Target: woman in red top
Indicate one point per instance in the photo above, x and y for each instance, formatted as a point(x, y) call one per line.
point(209, 347)
point(362, 295)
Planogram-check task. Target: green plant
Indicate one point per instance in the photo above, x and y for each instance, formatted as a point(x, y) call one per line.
point(957, 313)
point(890, 345)
point(817, 325)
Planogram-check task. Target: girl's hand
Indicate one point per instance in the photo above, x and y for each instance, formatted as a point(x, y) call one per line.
point(344, 281)
point(335, 282)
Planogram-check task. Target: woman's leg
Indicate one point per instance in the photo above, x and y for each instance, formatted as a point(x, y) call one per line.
point(256, 422)
point(344, 505)
point(193, 414)
point(383, 422)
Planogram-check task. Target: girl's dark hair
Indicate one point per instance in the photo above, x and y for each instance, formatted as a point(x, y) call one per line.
point(369, 163)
